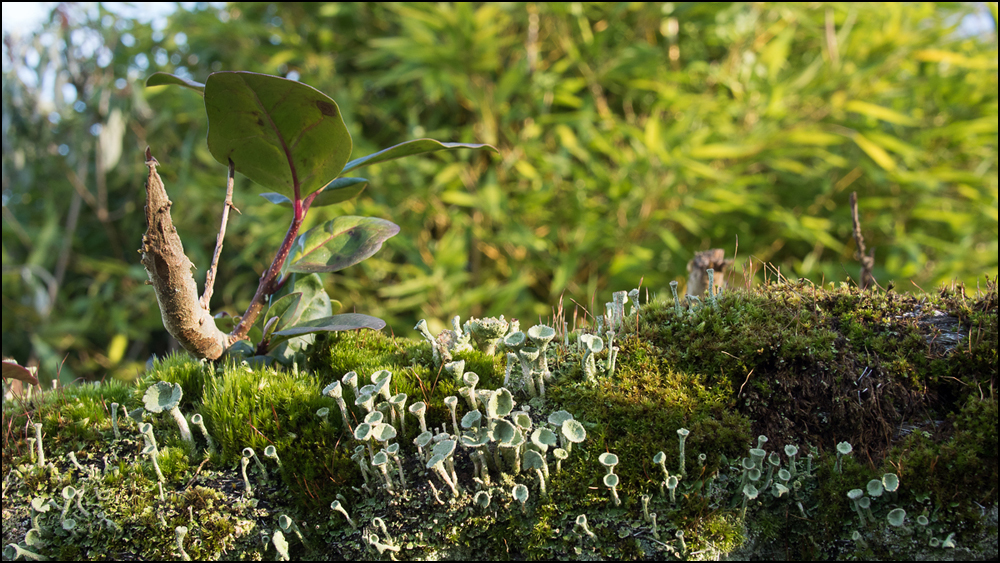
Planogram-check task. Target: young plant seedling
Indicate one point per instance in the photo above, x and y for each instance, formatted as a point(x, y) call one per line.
point(290, 139)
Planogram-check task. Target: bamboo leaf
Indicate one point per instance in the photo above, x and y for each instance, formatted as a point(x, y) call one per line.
point(877, 153)
point(879, 112)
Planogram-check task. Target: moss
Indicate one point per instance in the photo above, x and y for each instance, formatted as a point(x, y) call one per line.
point(802, 365)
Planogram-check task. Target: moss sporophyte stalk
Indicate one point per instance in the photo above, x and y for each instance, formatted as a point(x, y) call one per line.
point(432, 460)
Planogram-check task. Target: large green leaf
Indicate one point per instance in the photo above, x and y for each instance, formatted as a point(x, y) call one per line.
point(165, 79)
point(416, 146)
point(282, 134)
point(337, 244)
point(339, 190)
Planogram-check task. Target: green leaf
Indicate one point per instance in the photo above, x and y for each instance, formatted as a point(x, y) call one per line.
point(881, 113)
point(165, 79)
point(876, 152)
point(416, 146)
point(286, 309)
point(282, 134)
point(341, 189)
point(346, 321)
point(340, 243)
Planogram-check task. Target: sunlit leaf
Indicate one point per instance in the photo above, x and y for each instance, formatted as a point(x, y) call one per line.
point(416, 146)
point(879, 112)
point(346, 321)
point(11, 370)
point(282, 134)
point(340, 243)
point(286, 310)
point(876, 152)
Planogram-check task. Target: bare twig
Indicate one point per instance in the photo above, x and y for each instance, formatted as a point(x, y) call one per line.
point(206, 297)
point(867, 259)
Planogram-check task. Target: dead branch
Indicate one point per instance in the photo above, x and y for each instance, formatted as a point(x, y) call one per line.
point(867, 260)
point(170, 274)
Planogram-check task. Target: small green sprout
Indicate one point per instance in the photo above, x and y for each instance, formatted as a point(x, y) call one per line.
point(749, 493)
point(272, 453)
point(336, 391)
point(656, 532)
point(14, 551)
point(199, 421)
point(437, 464)
point(244, 462)
point(350, 379)
point(249, 453)
point(897, 519)
point(335, 505)
point(679, 534)
point(581, 526)
point(471, 379)
point(381, 461)
point(381, 547)
point(419, 409)
point(561, 455)
point(855, 495)
point(482, 499)
point(536, 462)
point(677, 300)
point(611, 482)
point(165, 396)
point(520, 494)
point(672, 483)
point(114, 420)
point(38, 444)
point(323, 413)
point(592, 345)
point(280, 545)
point(393, 451)
point(661, 459)
point(609, 461)
point(572, 433)
point(875, 488)
point(791, 451)
point(949, 542)
point(682, 434)
point(843, 449)
point(487, 332)
point(179, 533)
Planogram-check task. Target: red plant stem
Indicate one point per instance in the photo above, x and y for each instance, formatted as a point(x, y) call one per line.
point(269, 280)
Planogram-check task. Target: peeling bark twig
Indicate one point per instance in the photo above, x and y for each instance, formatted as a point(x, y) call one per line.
point(170, 274)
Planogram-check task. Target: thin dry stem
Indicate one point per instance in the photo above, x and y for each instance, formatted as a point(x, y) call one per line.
point(206, 297)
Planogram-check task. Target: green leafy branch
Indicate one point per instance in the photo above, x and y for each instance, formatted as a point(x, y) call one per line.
point(289, 138)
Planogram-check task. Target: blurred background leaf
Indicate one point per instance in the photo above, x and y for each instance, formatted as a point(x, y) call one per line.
point(631, 135)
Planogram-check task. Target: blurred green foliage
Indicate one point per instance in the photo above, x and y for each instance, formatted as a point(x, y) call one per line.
point(632, 135)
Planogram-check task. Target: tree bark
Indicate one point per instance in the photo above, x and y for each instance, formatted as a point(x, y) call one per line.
point(170, 274)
